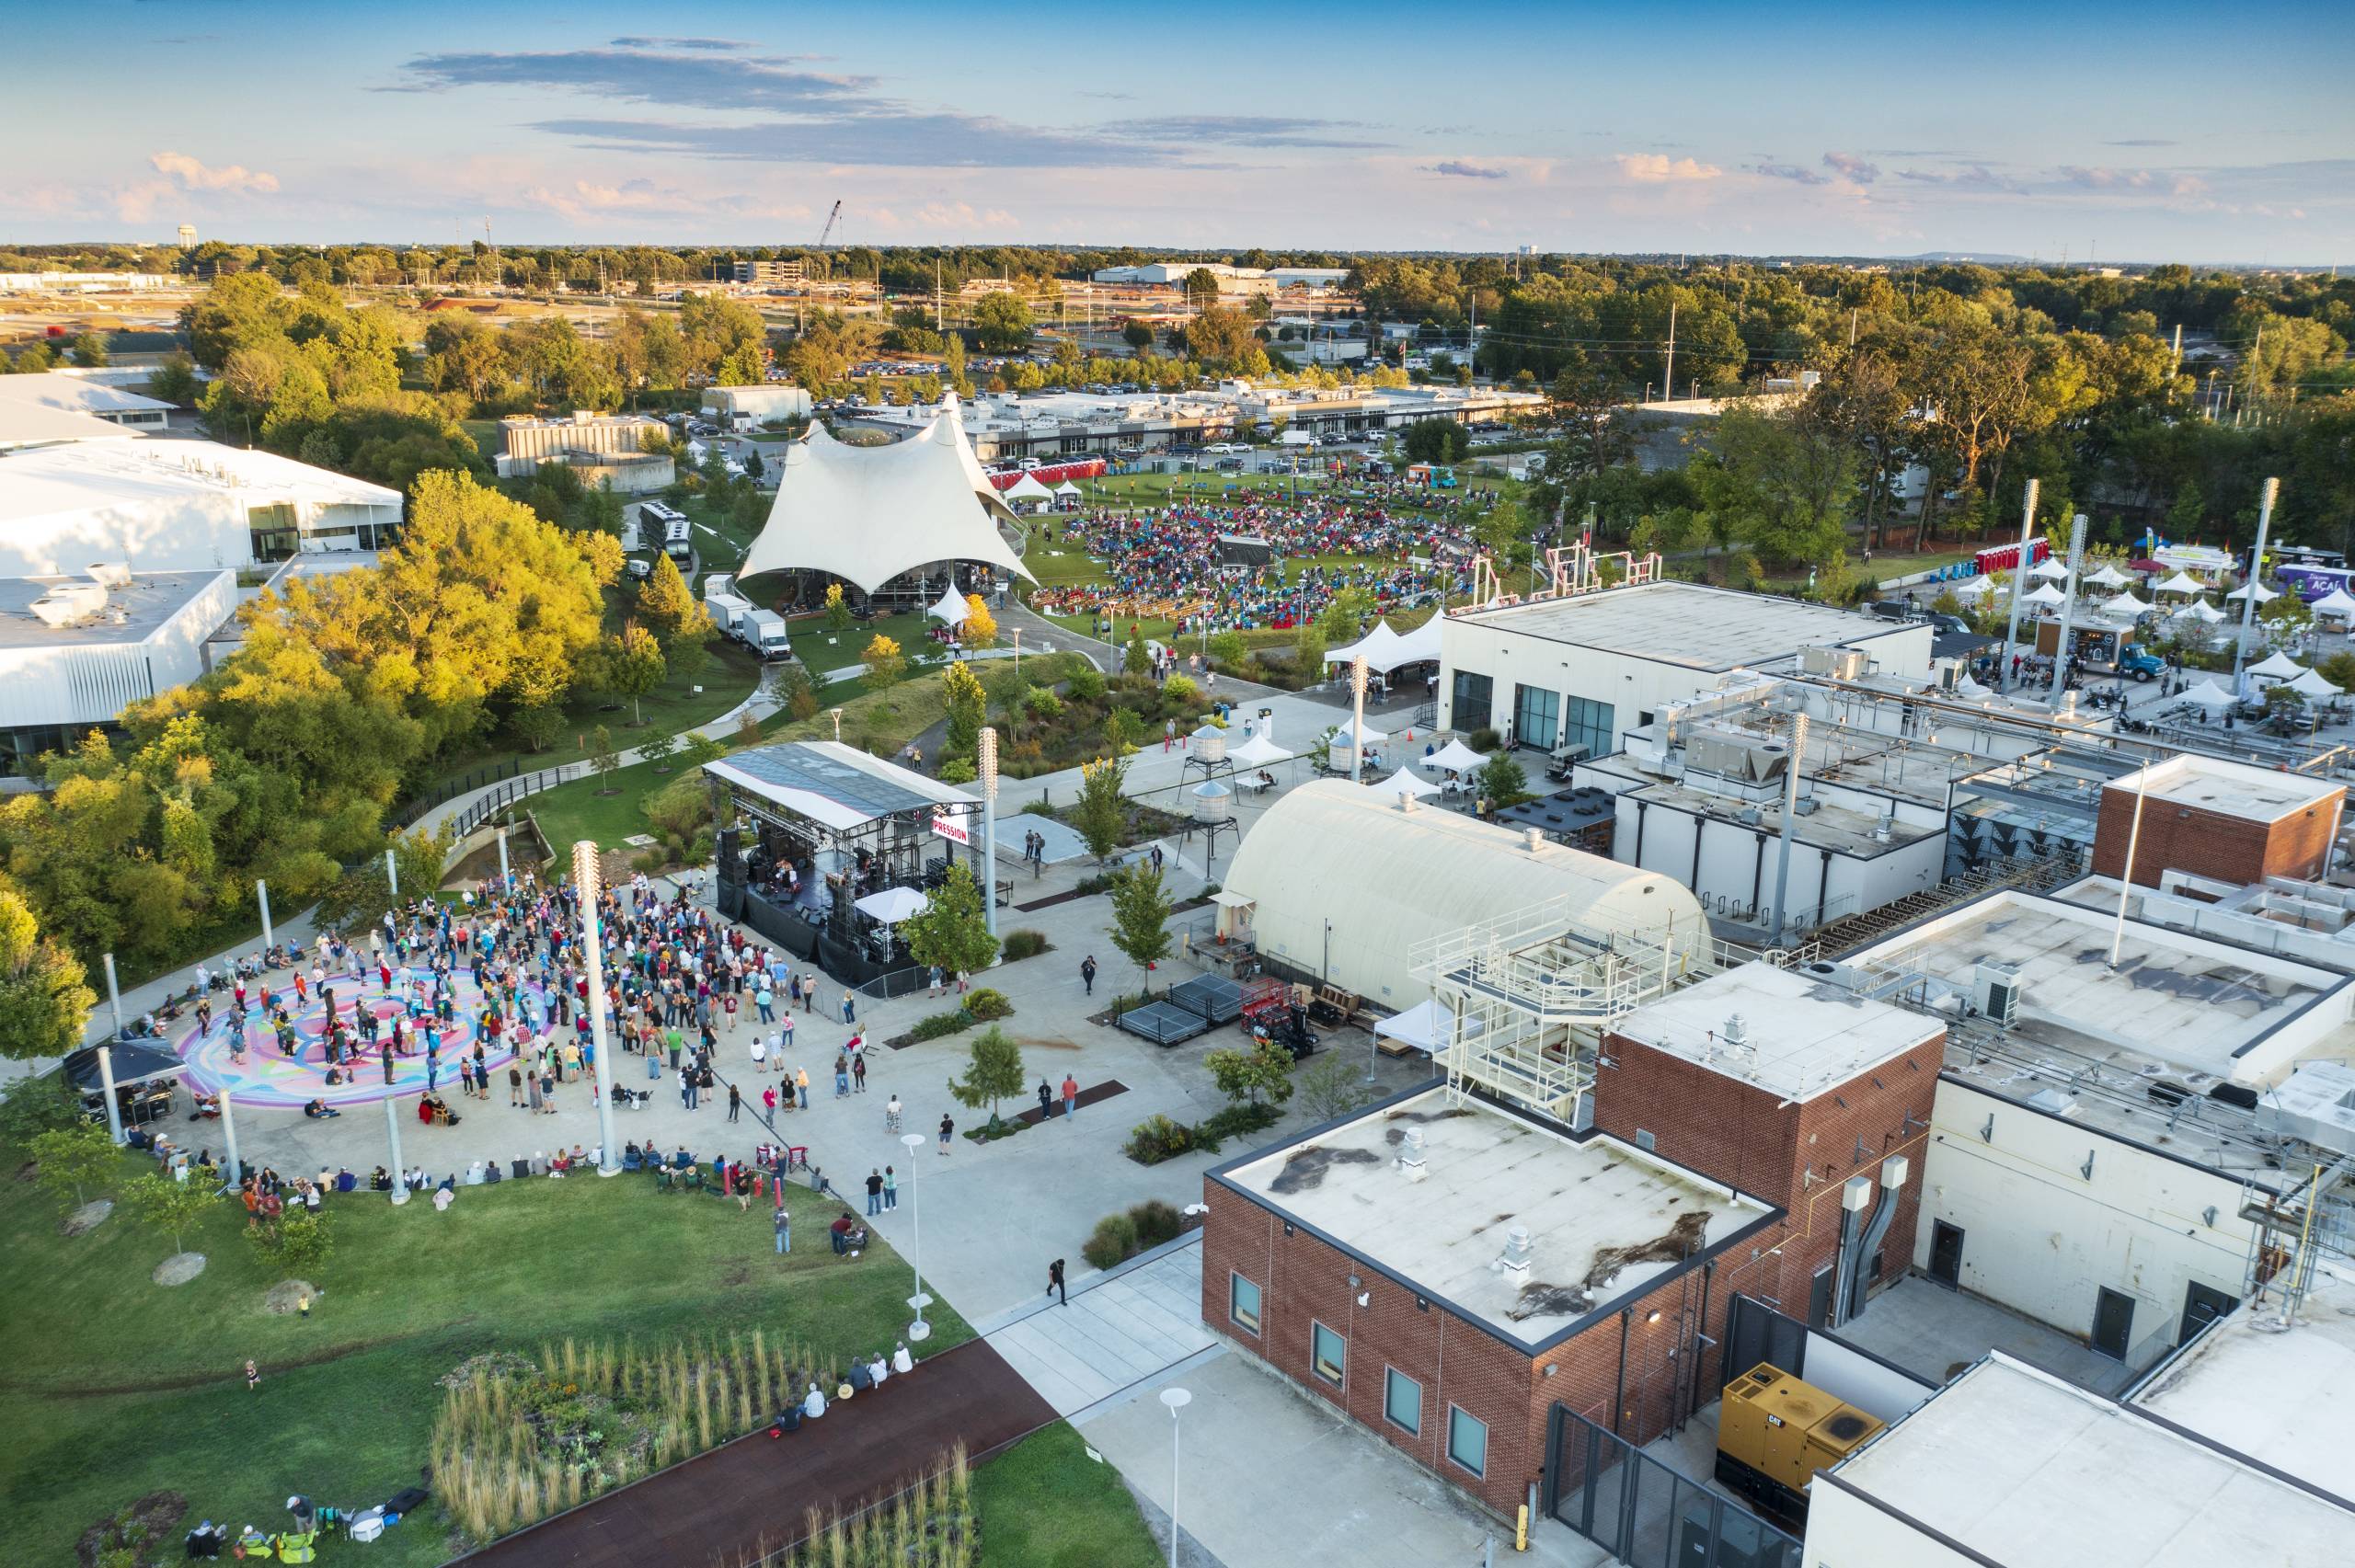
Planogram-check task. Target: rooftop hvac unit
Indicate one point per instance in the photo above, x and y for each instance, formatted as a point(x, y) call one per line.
point(1805, 806)
point(1835, 663)
point(69, 604)
point(110, 574)
point(1995, 992)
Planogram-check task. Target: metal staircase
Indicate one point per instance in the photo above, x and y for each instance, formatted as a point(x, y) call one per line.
point(1526, 997)
point(2029, 875)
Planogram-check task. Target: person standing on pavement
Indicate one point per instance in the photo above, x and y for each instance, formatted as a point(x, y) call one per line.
point(859, 1072)
point(1071, 1095)
point(802, 1085)
point(874, 1192)
point(890, 1189)
point(947, 1130)
point(1087, 973)
point(784, 1224)
point(735, 1102)
point(850, 1005)
point(1055, 1283)
point(1046, 1101)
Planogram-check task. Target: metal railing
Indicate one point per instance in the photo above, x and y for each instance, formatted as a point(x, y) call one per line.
point(508, 793)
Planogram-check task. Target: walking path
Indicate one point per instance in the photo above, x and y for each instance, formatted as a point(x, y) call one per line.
point(1117, 1330)
point(754, 1495)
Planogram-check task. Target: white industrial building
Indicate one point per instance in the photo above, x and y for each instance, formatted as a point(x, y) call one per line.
point(742, 408)
point(176, 506)
point(604, 449)
point(58, 392)
point(76, 650)
point(1588, 668)
point(1077, 424)
point(1342, 885)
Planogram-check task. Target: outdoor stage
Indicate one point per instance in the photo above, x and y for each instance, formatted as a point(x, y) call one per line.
point(267, 1078)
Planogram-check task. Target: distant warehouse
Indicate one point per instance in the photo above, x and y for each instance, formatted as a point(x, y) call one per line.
point(607, 449)
point(740, 406)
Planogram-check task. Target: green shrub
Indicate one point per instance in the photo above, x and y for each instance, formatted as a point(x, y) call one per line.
point(1113, 1242)
point(956, 770)
point(940, 1025)
point(1484, 739)
point(1091, 884)
point(1037, 809)
point(1087, 685)
point(1158, 1138)
point(987, 1005)
point(1025, 944)
point(1155, 1222)
point(1237, 1121)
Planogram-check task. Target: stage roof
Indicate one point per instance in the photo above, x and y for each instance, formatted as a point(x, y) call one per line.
point(835, 786)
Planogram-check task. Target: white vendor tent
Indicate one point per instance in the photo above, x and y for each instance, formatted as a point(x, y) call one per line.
point(869, 514)
point(2047, 594)
point(1423, 1027)
point(2335, 604)
point(894, 904)
point(2052, 569)
point(1027, 491)
point(2182, 582)
point(2278, 666)
point(2108, 577)
point(1403, 782)
point(952, 608)
point(2309, 684)
point(2124, 604)
point(2201, 610)
point(1455, 757)
point(2207, 695)
point(2253, 590)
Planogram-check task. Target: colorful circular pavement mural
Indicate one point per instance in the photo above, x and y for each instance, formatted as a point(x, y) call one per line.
point(269, 1078)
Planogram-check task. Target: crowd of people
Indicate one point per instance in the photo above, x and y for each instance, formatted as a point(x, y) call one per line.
point(1170, 556)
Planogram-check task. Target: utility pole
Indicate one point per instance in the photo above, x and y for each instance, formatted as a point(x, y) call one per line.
point(1668, 371)
point(1852, 327)
point(2178, 349)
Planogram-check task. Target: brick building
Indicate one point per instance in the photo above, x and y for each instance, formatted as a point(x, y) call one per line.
point(1447, 1274)
point(2228, 822)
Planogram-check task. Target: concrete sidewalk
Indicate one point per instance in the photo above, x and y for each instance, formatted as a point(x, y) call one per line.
point(1118, 1329)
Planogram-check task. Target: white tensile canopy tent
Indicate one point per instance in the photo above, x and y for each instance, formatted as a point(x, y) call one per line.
point(2207, 695)
point(1422, 1026)
point(2253, 590)
point(2335, 604)
point(2108, 577)
point(1027, 491)
point(2124, 604)
point(1257, 753)
point(1373, 736)
point(2278, 666)
point(2047, 594)
point(2181, 582)
point(869, 514)
point(2052, 569)
point(1403, 782)
point(1420, 646)
point(2309, 684)
point(953, 607)
point(1386, 651)
point(1967, 687)
point(1976, 588)
point(2201, 610)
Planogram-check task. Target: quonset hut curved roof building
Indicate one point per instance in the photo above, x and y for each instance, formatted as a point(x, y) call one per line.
point(869, 514)
point(1390, 880)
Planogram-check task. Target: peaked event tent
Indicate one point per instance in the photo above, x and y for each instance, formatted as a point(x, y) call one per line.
point(2124, 604)
point(1027, 488)
point(2309, 684)
point(2279, 666)
point(2108, 577)
point(2047, 594)
point(1455, 756)
point(868, 514)
point(1377, 646)
point(2253, 589)
point(892, 904)
point(953, 607)
point(2050, 569)
point(2182, 582)
point(2201, 610)
point(1975, 588)
point(2207, 695)
point(1257, 753)
point(2336, 604)
point(1403, 782)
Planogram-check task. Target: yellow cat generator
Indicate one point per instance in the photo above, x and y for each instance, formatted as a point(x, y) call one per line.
point(1774, 1432)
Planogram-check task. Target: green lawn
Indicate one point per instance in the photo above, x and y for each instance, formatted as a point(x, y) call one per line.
point(121, 1387)
point(1044, 1504)
point(810, 646)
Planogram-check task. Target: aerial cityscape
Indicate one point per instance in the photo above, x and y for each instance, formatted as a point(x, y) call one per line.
point(1653, 710)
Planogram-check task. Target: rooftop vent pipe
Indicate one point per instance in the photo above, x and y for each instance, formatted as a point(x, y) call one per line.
point(1518, 1255)
point(1410, 1154)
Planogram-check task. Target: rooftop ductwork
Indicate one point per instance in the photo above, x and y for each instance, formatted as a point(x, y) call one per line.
point(1410, 1155)
point(1519, 1254)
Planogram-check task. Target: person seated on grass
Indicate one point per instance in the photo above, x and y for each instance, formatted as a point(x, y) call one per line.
point(682, 1159)
point(814, 1405)
point(840, 1232)
point(558, 1163)
point(381, 1182)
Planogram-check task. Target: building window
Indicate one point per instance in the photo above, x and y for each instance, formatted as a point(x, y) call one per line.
point(1534, 712)
point(1590, 724)
point(1328, 1354)
point(1243, 1303)
point(1467, 1440)
point(1645, 1141)
point(1402, 1402)
point(1473, 703)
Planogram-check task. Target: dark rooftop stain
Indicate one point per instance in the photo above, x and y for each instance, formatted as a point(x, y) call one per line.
point(1306, 1168)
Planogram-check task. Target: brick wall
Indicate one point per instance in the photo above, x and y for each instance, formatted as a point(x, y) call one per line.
point(1303, 1280)
point(2207, 843)
point(1796, 1157)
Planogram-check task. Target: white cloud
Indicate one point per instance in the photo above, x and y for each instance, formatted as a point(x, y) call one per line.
point(195, 175)
point(1659, 168)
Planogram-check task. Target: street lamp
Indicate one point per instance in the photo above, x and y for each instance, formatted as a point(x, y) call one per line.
point(1176, 1399)
point(584, 882)
point(985, 755)
point(918, 1330)
point(1018, 650)
point(838, 726)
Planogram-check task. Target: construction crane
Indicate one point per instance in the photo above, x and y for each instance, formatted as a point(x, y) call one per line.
point(826, 233)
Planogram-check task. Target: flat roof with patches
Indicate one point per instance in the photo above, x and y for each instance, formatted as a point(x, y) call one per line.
point(1604, 1220)
point(1803, 1035)
point(2227, 788)
point(1693, 624)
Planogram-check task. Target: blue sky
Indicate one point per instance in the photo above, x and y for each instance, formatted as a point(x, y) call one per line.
point(2149, 131)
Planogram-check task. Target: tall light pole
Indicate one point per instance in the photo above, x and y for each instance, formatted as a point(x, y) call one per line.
point(584, 882)
point(114, 997)
point(2255, 565)
point(393, 874)
point(1356, 717)
point(1018, 650)
point(393, 1137)
point(269, 936)
point(986, 751)
point(918, 1330)
point(2019, 575)
point(1176, 1399)
point(838, 726)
